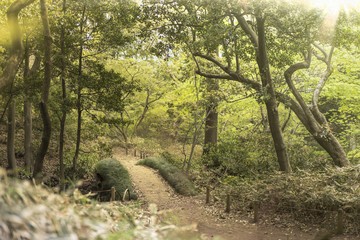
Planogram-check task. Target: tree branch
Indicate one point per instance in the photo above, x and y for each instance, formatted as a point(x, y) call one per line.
point(248, 30)
point(288, 77)
point(214, 76)
point(315, 98)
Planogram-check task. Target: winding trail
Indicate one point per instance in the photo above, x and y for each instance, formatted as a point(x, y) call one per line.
point(191, 210)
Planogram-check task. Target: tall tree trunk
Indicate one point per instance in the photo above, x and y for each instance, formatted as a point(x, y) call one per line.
point(78, 101)
point(29, 163)
point(211, 121)
point(270, 99)
point(63, 117)
point(11, 138)
point(27, 118)
point(45, 140)
point(78, 134)
point(16, 53)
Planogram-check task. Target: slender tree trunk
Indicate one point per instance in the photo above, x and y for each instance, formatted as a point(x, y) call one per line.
point(352, 141)
point(197, 129)
point(211, 122)
point(11, 138)
point(78, 135)
point(264, 120)
point(63, 117)
point(29, 164)
point(45, 140)
point(78, 102)
point(270, 99)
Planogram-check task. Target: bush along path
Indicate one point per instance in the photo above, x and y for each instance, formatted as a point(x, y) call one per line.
point(192, 211)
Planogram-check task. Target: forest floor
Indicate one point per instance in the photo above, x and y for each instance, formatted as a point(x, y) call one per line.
point(193, 210)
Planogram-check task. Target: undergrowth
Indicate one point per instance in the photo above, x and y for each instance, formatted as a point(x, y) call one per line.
point(173, 175)
point(304, 194)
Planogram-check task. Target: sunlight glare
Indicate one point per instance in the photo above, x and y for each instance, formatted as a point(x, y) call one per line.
point(332, 7)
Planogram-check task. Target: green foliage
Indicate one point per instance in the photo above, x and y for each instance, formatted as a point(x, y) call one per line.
point(113, 174)
point(168, 157)
point(244, 156)
point(94, 151)
point(174, 176)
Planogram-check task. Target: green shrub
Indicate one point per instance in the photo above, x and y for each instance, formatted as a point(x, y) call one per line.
point(173, 175)
point(243, 156)
point(112, 174)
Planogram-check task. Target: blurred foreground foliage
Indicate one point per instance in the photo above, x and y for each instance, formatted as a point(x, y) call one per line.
point(33, 212)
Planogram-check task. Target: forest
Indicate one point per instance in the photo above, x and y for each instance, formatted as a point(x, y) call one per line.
point(249, 109)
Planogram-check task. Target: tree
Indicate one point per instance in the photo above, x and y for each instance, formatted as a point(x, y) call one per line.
point(211, 121)
point(16, 53)
point(151, 83)
point(79, 107)
point(11, 137)
point(64, 99)
point(84, 37)
point(275, 35)
point(29, 75)
point(44, 111)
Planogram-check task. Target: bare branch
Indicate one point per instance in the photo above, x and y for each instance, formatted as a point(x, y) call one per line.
point(231, 75)
point(321, 50)
point(214, 76)
point(213, 60)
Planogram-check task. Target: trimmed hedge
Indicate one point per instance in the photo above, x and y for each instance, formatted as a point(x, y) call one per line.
point(174, 176)
point(112, 174)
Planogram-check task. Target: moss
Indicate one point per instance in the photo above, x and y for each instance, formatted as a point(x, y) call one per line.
point(112, 174)
point(174, 176)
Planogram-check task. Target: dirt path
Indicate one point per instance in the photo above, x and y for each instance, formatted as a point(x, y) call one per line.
point(191, 210)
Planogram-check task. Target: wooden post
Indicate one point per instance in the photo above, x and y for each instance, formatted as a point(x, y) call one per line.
point(256, 211)
point(126, 191)
point(228, 200)
point(112, 194)
point(207, 194)
point(340, 222)
point(134, 152)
